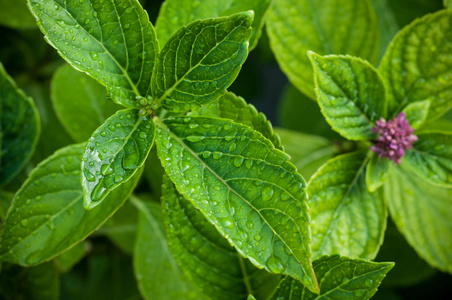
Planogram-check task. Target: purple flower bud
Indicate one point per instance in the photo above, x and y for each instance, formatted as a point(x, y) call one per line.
point(395, 136)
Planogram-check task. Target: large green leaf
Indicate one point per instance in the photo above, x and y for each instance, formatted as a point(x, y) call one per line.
point(245, 187)
point(347, 219)
point(235, 108)
point(14, 14)
point(156, 270)
point(46, 216)
point(418, 65)
point(431, 157)
point(350, 93)
point(113, 41)
point(201, 61)
point(80, 103)
point(339, 278)
point(19, 127)
point(326, 27)
point(423, 213)
point(114, 153)
point(176, 13)
point(206, 256)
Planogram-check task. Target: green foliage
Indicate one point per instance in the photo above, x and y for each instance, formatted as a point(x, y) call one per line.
point(417, 112)
point(15, 14)
point(66, 260)
point(377, 171)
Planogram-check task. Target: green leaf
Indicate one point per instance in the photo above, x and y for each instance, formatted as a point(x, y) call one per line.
point(418, 66)
point(207, 257)
point(19, 128)
point(156, 270)
point(177, 13)
point(339, 278)
point(377, 172)
point(235, 108)
point(416, 113)
point(66, 260)
point(80, 102)
point(350, 93)
point(47, 217)
point(346, 218)
point(251, 297)
point(245, 187)
point(448, 3)
point(423, 214)
point(308, 152)
point(15, 14)
point(117, 149)
point(43, 282)
point(431, 157)
point(5, 200)
point(201, 61)
point(325, 27)
point(112, 41)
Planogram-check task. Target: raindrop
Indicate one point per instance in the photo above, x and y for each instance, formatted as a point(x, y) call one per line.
point(130, 159)
point(275, 264)
point(217, 155)
point(238, 161)
point(99, 192)
point(267, 194)
point(106, 169)
point(88, 175)
point(94, 55)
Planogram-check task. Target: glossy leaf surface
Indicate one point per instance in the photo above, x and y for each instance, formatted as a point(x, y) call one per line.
point(417, 65)
point(339, 278)
point(206, 256)
point(350, 93)
point(47, 217)
point(346, 218)
point(201, 61)
point(416, 113)
point(114, 153)
point(245, 187)
point(113, 41)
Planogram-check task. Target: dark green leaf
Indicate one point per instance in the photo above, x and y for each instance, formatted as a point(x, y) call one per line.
point(377, 171)
point(339, 278)
point(201, 61)
point(350, 93)
point(66, 260)
point(346, 218)
point(114, 153)
point(112, 41)
point(5, 200)
point(245, 187)
point(15, 14)
point(206, 256)
point(47, 217)
point(417, 112)
point(43, 282)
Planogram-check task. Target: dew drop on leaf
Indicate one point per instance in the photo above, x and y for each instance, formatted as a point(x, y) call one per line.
point(267, 194)
point(88, 175)
point(275, 264)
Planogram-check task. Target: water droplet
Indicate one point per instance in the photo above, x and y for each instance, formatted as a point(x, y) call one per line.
point(368, 282)
point(99, 192)
point(106, 169)
point(259, 182)
point(24, 222)
point(206, 154)
point(285, 196)
point(130, 159)
point(127, 25)
point(143, 135)
point(103, 133)
point(217, 155)
point(94, 55)
point(275, 264)
point(118, 178)
point(267, 194)
point(228, 138)
point(195, 138)
point(249, 224)
point(249, 163)
point(88, 175)
point(238, 161)
point(257, 237)
point(232, 147)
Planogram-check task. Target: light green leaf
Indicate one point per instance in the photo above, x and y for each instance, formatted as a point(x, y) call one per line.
point(416, 113)
point(117, 149)
point(448, 3)
point(66, 260)
point(201, 61)
point(350, 93)
point(251, 297)
point(423, 214)
point(19, 128)
point(418, 65)
point(207, 257)
point(245, 187)
point(112, 41)
point(325, 27)
point(431, 157)
point(308, 152)
point(235, 108)
point(15, 14)
point(156, 270)
point(377, 172)
point(177, 13)
point(47, 217)
point(346, 218)
point(339, 278)
point(80, 102)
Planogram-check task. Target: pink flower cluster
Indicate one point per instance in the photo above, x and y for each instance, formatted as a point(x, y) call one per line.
point(394, 137)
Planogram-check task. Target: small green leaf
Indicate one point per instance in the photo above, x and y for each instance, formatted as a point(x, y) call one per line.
point(251, 297)
point(201, 61)
point(207, 257)
point(346, 218)
point(112, 41)
point(245, 187)
point(416, 113)
point(350, 93)
point(177, 13)
point(377, 171)
point(46, 216)
point(422, 213)
point(66, 260)
point(325, 27)
point(417, 65)
point(117, 149)
point(19, 128)
point(156, 270)
point(339, 278)
point(431, 157)
point(80, 102)
point(15, 14)
point(235, 108)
